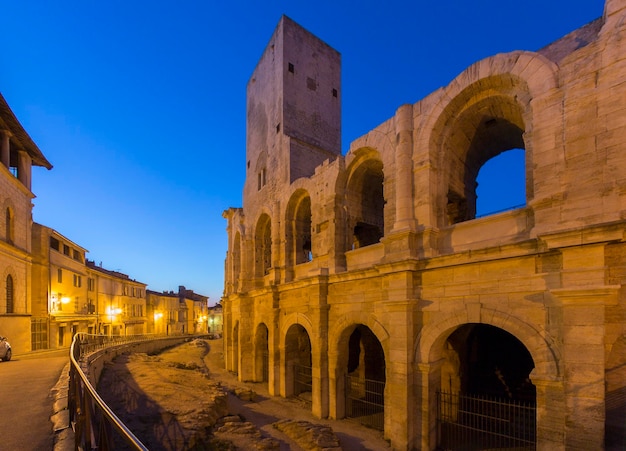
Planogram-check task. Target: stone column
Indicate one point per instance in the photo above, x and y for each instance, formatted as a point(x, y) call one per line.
point(319, 315)
point(273, 384)
point(24, 168)
point(428, 382)
point(246, 339)
point(582, 334)
point(405, 218)
point(551, 417)
point(5, 148)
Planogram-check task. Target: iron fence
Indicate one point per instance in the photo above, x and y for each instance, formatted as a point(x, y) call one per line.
point(96, 427)
point(365, 401)
point(303, 380)
point(266, 366)
point(471, 422)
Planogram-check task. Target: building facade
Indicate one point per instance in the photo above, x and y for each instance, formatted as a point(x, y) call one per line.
point(18, 154)
point(372, 269)
point(63, 303)
point(120, 301)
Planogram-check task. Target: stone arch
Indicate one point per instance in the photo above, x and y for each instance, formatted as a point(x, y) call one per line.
point(365, 198)
point(367, 319)
point(339, 349)
point(433, 358)
point(429, 343)
point(262, 245)
point(485, 111)
point(298, 229)
point(297, 351)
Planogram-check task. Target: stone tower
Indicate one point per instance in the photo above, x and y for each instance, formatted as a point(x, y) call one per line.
point(293, 111)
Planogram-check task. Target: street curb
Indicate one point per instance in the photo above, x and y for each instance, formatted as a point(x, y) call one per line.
point(60, 418)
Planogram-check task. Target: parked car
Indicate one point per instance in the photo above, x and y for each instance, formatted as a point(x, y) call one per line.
point(5, 349)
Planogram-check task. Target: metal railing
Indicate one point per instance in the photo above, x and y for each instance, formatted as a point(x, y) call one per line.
point(470, 422)
point(303, 379)
point(96, 427)
point(365, 401)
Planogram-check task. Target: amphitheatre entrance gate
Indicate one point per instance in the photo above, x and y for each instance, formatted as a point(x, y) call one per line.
point(298, 359)
point(486, 396)
point(365, 380)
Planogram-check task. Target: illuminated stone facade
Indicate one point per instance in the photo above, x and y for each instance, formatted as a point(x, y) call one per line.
point(18, 154)
point(373, 268)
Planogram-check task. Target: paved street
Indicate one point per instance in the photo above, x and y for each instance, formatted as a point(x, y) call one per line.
point(25, 404)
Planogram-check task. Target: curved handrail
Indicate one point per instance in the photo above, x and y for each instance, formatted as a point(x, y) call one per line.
point(93, 418)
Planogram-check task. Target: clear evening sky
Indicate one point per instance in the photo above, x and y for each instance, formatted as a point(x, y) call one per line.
point(140, 104)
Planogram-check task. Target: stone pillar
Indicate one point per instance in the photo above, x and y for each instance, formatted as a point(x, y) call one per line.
point(405, 218)
point(5, 148)
point(273, 384)
point(400, 398)
point(336, 383)
point(320, 407)
point(227, 333)
point(428, 382)
point(551, 418)
point(582, 334)
point(247, 330)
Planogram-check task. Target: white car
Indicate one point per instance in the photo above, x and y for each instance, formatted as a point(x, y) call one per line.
point(5, 349)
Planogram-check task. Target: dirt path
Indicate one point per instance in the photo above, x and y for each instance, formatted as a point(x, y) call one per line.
point(183, 399)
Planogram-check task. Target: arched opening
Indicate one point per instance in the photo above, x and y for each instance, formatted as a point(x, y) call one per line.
point(302, 231)
point(366, 203)
point(261, 354)
point(9, 226)
point(482, 122)
point(365, 378)
point(9, 295)
point(299, 232)
point(486, 397)
point(298, 363)
point(263, 246)
point(492, 362)
point(501, 183)
point(236, 261)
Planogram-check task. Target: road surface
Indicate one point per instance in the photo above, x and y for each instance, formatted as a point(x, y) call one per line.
point(25, 402)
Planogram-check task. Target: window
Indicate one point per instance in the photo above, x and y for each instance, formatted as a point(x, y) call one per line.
point(77, 256)
point(501, 183)
point(290, 68)
point(367, 203)
point(66, 250)
point(91, 284)
point(261, 180)
point(10, 300)
point(78, 280)
point(263, 246)
point(54, 243)
point(59, 275)
point(9, 226)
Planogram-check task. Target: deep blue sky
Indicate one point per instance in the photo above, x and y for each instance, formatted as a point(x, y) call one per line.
point(140, 104)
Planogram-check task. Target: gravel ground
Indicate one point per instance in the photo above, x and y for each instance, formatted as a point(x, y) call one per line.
point(183, 399)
